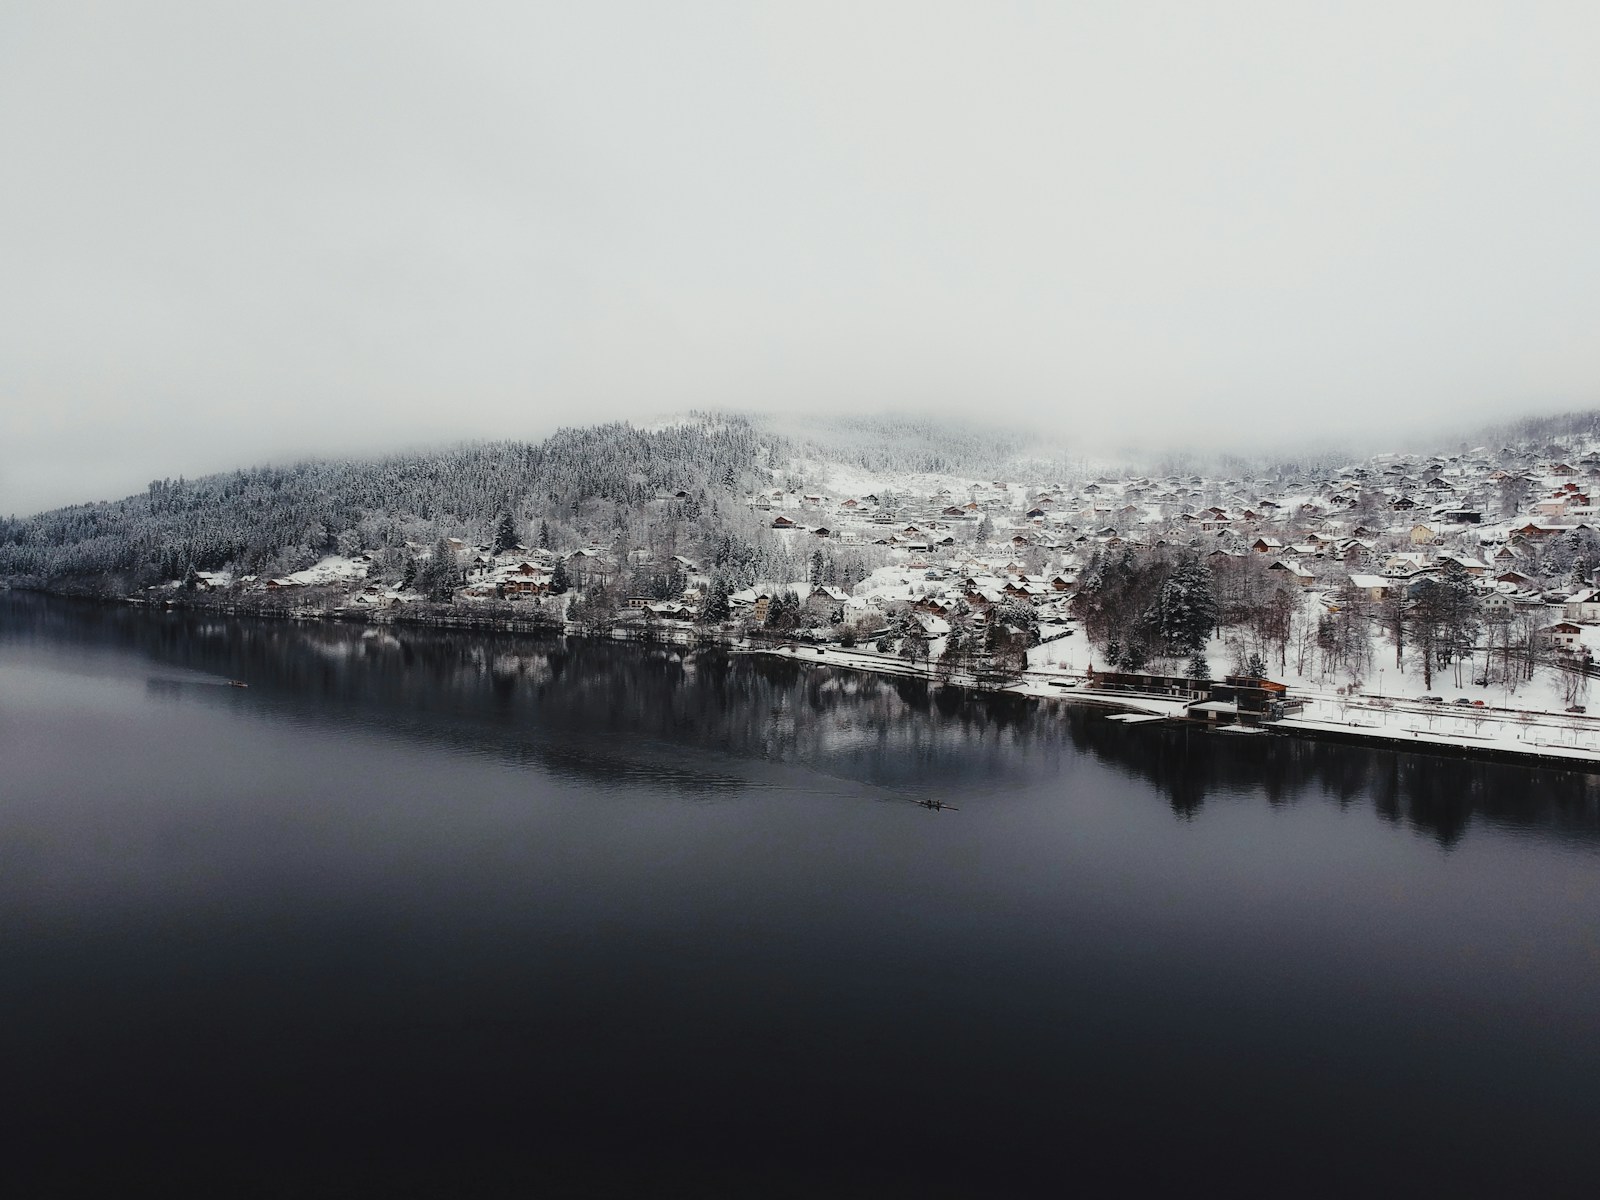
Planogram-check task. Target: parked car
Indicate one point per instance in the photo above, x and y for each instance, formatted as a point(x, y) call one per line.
point(1577, 708)
point(1463, 701)
point(1431, 699)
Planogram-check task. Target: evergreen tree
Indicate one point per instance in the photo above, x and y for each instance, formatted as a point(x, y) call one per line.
point(955, 650)
point(1199, 668)
point(717, 608)
point(560, 584)
point(544, 535)
point(1185, 609)
point(408, 576)
point(505, 534)
point(914, 645)
point(1255, 666)
point(191, 580)
point(437, 579)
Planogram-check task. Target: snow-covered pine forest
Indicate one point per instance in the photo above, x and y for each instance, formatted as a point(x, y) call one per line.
point(662, 486)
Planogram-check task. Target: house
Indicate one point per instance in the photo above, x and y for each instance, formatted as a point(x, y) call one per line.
point(1563, 635)
point(1294, 571)
point(1535, 533)
point(1423, 535)
point(782, 523)
point(1374, 587)
point(1408, 563)
point(1469, 565)
point(1498, 605)
point(750, 605)
point(1582, 606)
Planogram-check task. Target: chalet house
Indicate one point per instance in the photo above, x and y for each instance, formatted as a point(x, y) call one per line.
point(1266, 545)
point(1582, 606)
point(1423, 535)
point(669, 610)
point(1294, 571)
point(1563, 635)
point(1373, 587)
point(782, 523)
point(1498, 605)
point(1535, 533)
point(1470, 565)
point(1404, 564)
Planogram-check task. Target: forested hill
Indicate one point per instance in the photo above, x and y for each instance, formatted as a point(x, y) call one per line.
point(605, 480)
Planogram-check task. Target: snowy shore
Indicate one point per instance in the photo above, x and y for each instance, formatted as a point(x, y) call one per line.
point(1523, 735)
point(1058, 672)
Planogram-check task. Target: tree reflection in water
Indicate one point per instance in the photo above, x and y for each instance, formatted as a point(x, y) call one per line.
point(612, 711)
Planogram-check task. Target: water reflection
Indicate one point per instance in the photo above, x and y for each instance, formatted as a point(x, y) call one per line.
point(615, 713)
point(260, 923)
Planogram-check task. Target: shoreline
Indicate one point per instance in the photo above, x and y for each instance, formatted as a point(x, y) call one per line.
point(1035, 684)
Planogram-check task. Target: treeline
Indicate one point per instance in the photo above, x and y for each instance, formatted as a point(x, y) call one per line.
point(608, 484)
point(1142, 606)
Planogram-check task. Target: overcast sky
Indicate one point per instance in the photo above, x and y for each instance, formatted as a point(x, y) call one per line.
point(238, 232)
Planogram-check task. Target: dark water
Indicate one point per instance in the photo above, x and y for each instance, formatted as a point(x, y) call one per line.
point(428, 914)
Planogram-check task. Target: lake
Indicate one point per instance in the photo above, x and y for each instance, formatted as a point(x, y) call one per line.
point(428, 913)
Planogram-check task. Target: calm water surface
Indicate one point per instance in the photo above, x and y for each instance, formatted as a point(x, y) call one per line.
point(420, 913)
